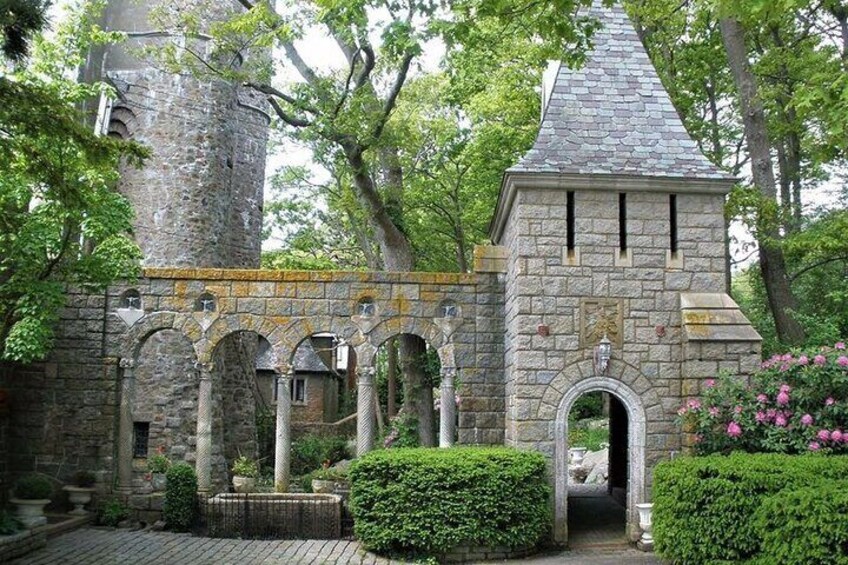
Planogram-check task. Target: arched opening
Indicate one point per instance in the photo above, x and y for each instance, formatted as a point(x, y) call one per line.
point(597, 470)
point(164, 403)
point(407, 379)
point(625, 483)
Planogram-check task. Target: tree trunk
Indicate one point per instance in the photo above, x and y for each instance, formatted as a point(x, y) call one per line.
point(391, 377)
point(418, 391)
point(782, 301)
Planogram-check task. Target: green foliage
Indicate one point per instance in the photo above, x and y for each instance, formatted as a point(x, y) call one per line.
point(9, 524)
point(33, 487)
point(724, 508)
point(589, 405)
point(330, 474)
point(580, 435)
point(84, 479)
point(403, 432)
point(180, 505)
point(311, 451)
point(426, 501)
point(796, 403)
point(158, 464)
point(112, 512)
point(805, 525)
point(19, 21)
point(245, 467)
point(62, 220)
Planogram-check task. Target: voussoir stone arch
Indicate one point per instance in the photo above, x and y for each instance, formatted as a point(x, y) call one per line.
point(423, 328)
point(287, 339)
point(230, 324)
point(134, 338)
point(577, 380)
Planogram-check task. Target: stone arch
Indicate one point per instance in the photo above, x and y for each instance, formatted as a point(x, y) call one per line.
point(133, 339)
point(423, 328)
point(122, 123)
point(224, 326)
point(635, 405)
point(287, 340)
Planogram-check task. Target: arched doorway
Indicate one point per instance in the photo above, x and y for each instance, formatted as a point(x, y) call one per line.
point(627, 452)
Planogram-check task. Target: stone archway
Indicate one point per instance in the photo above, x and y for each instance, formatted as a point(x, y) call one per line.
point(636, 449)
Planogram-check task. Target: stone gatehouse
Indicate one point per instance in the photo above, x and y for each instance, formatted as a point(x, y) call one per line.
point(610, 231)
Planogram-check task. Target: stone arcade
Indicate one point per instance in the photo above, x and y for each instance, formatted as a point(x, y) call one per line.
point(611, 226)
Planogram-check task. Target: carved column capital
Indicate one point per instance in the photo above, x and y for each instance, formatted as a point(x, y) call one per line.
point(126, 363)
point(205, 369)
point(448, 374)
point(365, 375)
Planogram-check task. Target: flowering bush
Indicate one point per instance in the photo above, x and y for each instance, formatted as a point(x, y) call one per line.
point(794, 404)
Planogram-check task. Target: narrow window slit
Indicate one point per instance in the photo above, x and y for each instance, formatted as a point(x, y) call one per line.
point(622, 224)
point(672, 217)
point(569, 236)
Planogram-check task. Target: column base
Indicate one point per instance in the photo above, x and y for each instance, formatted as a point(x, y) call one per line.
point(646, 546)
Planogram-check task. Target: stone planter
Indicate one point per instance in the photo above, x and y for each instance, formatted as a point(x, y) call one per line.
point(79, 497)
point(243, 485)
point(320, 486)
point(577, 454)
point(158, 481)
point(646, 542)
point(31, 512)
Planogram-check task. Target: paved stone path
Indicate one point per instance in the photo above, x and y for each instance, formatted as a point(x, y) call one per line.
point(91, 546)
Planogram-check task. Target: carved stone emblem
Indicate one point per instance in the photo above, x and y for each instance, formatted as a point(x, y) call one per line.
point(599, 317)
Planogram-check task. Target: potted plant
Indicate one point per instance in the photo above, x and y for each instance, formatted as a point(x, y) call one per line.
point(245, 471)
point(79, 494)
point(324, 480)
point(31, 495)
point(158, 466)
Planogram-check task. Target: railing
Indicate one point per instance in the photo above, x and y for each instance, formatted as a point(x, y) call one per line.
point(274, 516)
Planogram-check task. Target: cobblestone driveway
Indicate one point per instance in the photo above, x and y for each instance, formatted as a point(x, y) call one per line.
point(89, 546)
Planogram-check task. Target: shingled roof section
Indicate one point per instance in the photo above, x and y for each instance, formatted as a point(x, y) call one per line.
point(613, 116)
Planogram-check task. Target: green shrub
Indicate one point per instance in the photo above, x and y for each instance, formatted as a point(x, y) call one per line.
point(9, 524)
point(309, 452)
point(180, 504)
point(84, 479)
point(806, 525)
point(33, 487)
point(158, 464)
point(112, 512)
point(245, 467)
point(426, 501)
point(589, 405)
point(590, 438)
point(330, 474)
point(705, 507)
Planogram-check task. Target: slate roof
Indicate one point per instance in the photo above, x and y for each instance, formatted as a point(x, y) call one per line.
point(306, 360)
point(613, 116)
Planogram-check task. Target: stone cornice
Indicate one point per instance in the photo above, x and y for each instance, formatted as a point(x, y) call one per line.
point(260, 275)
point(513, 180)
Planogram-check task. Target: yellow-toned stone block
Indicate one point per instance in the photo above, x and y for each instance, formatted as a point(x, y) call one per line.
point(241, 289)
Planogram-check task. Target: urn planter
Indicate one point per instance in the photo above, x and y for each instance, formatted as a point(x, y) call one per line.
point(322, 486)
point(79, 497)
point(646, 542)
point(577, 454)
point(31, 512)
point(243, 485)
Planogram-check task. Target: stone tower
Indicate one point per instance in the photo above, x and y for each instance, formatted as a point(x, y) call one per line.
point(614, 229)
point(198, 200)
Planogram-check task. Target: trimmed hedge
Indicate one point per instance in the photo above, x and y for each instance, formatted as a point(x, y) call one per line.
point(426, 501)
point(180, 505)
point(706, 508)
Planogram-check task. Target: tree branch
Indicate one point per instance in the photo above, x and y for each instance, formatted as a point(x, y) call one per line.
point(290, 120)
point(817, 265)
point(393, 95)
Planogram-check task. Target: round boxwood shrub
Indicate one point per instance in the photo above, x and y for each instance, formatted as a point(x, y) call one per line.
point(180, 505)
point(427, 501)
point(33, 487)
point(705, 507)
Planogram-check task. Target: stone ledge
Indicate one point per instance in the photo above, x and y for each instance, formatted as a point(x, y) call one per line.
point(465, 553)
point(307, 276)
point(714, 317)
point(21, 544)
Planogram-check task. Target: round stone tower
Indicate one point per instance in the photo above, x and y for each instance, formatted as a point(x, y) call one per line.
point(198, 199)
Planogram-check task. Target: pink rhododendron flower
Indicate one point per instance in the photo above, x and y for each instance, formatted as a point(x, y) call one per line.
point(836, 436)
point(807, 420)
point(785, 367)
point(709, 383)
point(786, 357)
point(814, 446)
point(785, 388)
point(699, 438)
point(823, 435)
point(839, 345)
point(783, 399)
point(842, 361)
point(760, 417)
point(819, 360)
point(737, 409)
point(762, 398)
point(780, 420)
point(714, 411)
point(829, 401)
point(693, 404)
point(803, 360)
point(681, 411)
point(765, 364)
point(733, 429)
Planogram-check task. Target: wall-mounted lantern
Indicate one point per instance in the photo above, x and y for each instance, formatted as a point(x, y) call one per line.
point(603, 353)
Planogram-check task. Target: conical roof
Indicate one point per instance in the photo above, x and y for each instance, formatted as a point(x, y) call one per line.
point(613, 116)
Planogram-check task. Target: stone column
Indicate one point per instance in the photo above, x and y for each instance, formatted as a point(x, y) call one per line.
point(203, 463)
point(125, 426)
point(365, 411)
point(447, 420)
point(282, 445)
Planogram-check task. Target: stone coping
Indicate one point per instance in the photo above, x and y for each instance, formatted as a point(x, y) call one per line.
point(714, 317)
point(308, 276)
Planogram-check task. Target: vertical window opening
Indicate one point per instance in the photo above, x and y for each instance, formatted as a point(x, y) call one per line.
point(569, 236)
point(141, 439)
point(622, 223)
point(298, 391)
point(672, 218)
